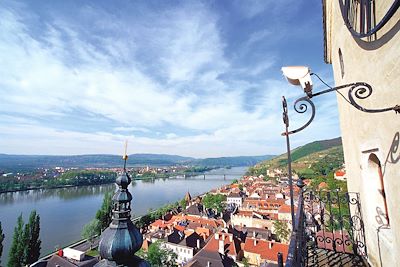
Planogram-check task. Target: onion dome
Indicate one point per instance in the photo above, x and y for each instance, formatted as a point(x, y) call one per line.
point(121, 239)
point(123, 180)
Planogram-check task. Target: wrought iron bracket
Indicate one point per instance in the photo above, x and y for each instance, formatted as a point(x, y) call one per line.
point(358, 90)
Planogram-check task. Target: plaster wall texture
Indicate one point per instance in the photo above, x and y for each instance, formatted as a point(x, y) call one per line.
point(376, 62)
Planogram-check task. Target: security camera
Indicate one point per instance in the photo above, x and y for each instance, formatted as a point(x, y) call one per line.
point(299, 75)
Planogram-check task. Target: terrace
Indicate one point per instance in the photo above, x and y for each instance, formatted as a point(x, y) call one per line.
point(328, 231)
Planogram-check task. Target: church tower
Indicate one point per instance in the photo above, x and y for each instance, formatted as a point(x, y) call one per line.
point(121, 239)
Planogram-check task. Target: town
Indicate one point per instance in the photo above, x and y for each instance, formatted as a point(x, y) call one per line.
point(261, 133)
point(245, 223)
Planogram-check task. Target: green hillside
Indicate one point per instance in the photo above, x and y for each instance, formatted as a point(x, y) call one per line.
point(315, 159)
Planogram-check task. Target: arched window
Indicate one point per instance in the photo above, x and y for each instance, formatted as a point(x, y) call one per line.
point(375, 171)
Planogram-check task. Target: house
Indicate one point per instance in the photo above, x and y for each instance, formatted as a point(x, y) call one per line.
point(59, 260)
point(234, 198)
point(284, 213)
point(226, 244)
point(184, 246)
point(253, 219)
point(259, 251)
point(340, 175)
point(208, 258)
point(195, 209)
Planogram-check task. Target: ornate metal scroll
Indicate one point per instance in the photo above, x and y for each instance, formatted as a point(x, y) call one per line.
point(359, 16)
point(363, 91)
point(301, 105)
point(360, 90)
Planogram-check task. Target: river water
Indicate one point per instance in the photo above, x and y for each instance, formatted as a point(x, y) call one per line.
point(63, 212)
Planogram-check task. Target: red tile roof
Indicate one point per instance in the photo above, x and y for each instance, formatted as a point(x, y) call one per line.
point(179, 228)
point(262, 247)
point(340, 173)
point(231, 247)
point(284, 209)
point(322, 185)
point(160, 224)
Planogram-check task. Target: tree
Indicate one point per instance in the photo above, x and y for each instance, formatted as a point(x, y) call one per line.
point(215, 202)
point(104, 214)
point(245, 262)
point(281, 230)
point(1, 241)
point(90, 231)
point(15, 256)
point(159, 256)
point(32, 241)
point(182, 203)
point(144, 221)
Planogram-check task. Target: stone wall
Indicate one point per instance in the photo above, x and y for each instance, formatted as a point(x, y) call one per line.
point(368, 137)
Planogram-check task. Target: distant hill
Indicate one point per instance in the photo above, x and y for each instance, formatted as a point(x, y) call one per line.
point(231, 161)
point(12, 162)
point(316, 158)
point(101, 160)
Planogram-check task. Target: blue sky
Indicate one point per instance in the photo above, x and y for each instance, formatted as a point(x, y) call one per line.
point(194, 78)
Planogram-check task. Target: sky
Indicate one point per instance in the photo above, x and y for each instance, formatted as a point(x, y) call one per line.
point(191, 78)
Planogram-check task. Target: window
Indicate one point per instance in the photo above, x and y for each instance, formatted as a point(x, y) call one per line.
point(377, 179)
point(341, 63)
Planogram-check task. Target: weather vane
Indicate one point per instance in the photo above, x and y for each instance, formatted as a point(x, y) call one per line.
point(125, 156)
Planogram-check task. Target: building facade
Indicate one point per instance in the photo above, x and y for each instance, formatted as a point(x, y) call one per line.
point(370, 140)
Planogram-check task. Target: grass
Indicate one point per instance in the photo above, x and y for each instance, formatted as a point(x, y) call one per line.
point(93, 253)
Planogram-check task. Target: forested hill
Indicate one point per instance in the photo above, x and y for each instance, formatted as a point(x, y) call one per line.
point(13, 162)
point(232, 161)
point(316, 158)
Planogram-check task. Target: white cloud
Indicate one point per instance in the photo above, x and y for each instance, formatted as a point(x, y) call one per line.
point(259, 36)
point(164, 71)
point(131, 129)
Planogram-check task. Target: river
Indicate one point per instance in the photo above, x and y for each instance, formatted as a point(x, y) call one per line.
point(64, 211)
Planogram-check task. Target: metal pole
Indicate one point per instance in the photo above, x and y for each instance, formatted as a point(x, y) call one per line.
point(289, 158)
point(280, 260)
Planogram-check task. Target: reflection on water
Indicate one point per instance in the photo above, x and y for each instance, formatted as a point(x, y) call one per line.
point(64, 211)
point(62, 193)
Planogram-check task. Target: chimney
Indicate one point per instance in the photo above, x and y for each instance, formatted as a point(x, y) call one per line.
point(221, 247)
point(216, 236)
point(198, 243)
point(255, 242)
point(270, 245)
point(230, 238)
point(208, 264)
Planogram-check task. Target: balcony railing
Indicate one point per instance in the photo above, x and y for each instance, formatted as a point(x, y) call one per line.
point(329, 230)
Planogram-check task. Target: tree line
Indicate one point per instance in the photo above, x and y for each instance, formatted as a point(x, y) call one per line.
point(70, 178)
point(26, 243)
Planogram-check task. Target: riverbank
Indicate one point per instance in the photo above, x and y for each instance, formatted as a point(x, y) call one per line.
point(64, 211)
point(105, 182)
point(86, 246)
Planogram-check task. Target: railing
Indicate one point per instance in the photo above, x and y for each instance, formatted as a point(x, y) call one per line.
point(328, 223)
point(297, 240)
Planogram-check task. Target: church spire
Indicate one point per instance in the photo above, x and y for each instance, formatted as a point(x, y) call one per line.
point(188, 197)
point(121, 239)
